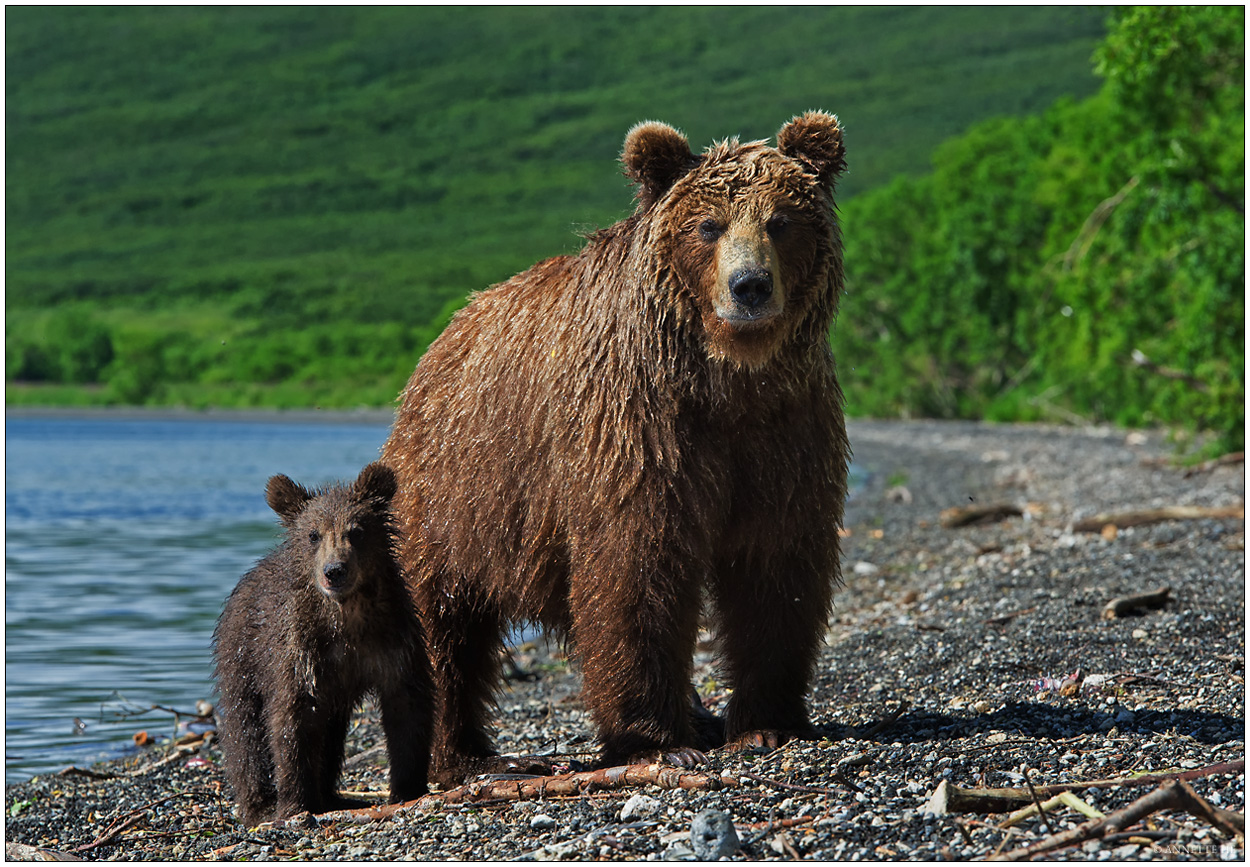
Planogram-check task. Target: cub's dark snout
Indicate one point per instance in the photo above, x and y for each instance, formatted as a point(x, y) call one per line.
point(335, 574)
point(751, 286)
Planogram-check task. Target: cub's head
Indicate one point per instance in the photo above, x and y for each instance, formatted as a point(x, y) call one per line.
point(745, 233)
point(343, 531)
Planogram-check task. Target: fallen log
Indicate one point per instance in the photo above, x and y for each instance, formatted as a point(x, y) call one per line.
point(1141, 517)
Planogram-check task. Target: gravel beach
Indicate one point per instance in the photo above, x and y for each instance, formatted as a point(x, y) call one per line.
point(959, 657)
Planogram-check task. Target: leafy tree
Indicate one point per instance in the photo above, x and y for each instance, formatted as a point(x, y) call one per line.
point(1085, 264)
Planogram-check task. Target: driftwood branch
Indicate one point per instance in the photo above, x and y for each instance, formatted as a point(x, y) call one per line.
point(23, 852)
point(519, 787)
point(949, 798)
point(1141, 517)
point(966, 516)
point(1063, 799)
point(1173, 795)
point(1222, 461)
point(1136, 602)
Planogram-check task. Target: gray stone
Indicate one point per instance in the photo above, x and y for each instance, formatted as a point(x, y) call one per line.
point(713, 836)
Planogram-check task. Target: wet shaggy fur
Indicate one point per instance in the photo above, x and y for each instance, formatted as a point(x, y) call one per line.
point(601, 441)
point(318, 623)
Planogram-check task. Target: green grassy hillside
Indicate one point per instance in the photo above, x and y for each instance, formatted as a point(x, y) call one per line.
point(280, 206)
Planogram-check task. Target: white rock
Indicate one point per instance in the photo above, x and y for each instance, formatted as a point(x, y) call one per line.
point(639, 807)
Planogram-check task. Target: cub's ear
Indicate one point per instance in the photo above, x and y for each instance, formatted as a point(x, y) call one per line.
point(815, 139)
point(655, 157)
point(376, 482)
point(286, 498)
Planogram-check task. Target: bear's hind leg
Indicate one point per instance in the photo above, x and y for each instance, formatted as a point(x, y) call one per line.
point(464, 639)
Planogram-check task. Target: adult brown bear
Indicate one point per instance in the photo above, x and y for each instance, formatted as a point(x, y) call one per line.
point(603, 439)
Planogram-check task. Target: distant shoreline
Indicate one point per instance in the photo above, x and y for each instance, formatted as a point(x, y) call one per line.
point(380, 415)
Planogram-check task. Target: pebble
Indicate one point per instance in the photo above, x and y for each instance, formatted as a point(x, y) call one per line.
point(639, 807)
point(542, 822)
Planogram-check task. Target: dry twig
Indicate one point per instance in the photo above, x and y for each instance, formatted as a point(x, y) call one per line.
point(1141, 517)
point(966, 516)
point(526, 788)
point(1123, 605)
point(1173, 795)
point(949, 798)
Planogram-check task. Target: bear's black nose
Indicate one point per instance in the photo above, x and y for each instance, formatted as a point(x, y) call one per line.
point(335, 573)
point(751, 286)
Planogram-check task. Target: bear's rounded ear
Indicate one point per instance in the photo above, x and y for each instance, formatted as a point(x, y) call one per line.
point(286, 497)
point(376, 482)
point(815, 139)
point(655, 157)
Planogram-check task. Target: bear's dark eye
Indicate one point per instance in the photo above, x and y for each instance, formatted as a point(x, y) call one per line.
point(356, 535)
point(710, 230)
point(777, 225)
point(314, 536)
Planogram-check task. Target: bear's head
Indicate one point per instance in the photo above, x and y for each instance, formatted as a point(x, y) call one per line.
point(745, 235)
point(343, 533)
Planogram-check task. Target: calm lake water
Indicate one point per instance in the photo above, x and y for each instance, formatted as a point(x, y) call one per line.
point(123, 537)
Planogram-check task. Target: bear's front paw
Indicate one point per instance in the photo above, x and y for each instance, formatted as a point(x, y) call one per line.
point(771, 739)
point(678, 757)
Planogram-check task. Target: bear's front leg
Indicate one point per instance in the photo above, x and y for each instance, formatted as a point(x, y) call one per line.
point(771, 626)
point(635, 621)
point(407, 717)
point(297, 735)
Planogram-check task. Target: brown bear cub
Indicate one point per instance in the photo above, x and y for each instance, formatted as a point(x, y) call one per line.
point(318, 623)
point(601, 441)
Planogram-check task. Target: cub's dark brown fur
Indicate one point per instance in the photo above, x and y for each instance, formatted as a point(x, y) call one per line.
point(318, 623)
point(604, 438)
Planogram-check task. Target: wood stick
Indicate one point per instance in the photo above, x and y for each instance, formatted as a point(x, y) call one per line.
point(1221, 461)
point(1123, 605)
point(1172, 795)
point(880, 726)
point(950, 798)
point(22, 852)
point(524, 788)
point(966, 516)
point(1063, 799)
point(1141, 517)
point(1037, 802)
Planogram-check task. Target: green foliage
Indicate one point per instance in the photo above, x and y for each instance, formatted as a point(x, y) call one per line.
point(1087, 263)
point(284, 204)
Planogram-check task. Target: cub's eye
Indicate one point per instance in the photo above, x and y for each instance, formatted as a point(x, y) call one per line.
point(778, 225)
point(314, 536)
point(355, 535)
point(710, 230)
